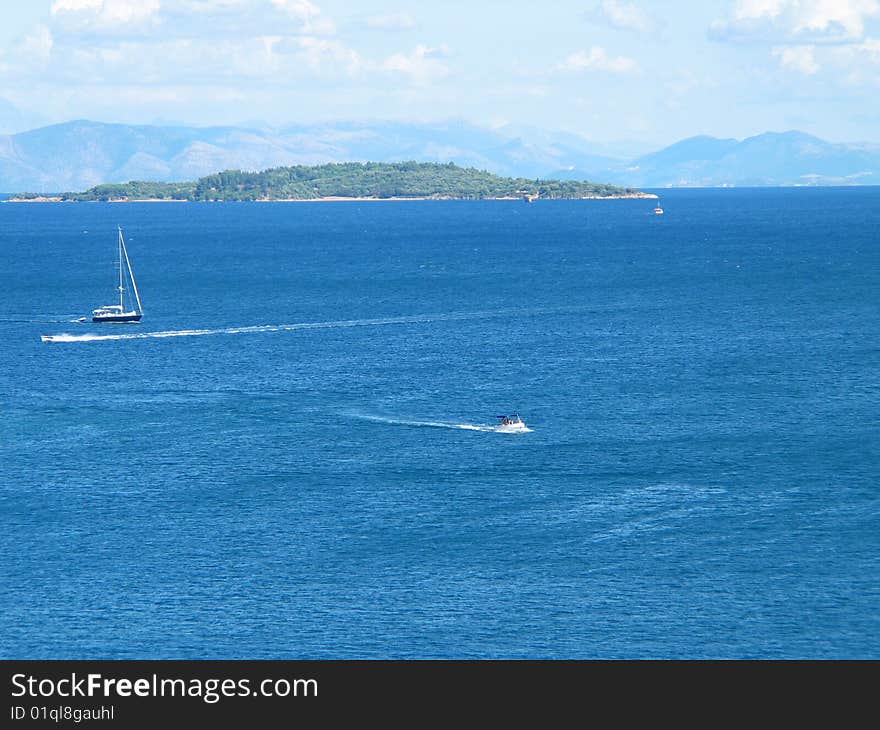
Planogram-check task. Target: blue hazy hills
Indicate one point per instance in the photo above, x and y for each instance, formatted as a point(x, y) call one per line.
point(772, 158)
point(79, 154)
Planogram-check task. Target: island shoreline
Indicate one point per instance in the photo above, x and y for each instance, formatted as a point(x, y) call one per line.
point(327, 199)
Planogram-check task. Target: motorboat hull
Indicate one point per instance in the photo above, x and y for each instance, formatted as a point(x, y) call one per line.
point(513, 428)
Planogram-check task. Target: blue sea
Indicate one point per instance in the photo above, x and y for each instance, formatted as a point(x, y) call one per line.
point(293, 455)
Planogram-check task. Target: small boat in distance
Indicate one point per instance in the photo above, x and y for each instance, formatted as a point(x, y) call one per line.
point(658, 210)
point(117, 312)
point(511, 424)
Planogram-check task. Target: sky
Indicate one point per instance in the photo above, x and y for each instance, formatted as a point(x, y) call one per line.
point(608, 70)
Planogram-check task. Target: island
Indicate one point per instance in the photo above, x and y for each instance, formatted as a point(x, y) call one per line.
point(347, 181)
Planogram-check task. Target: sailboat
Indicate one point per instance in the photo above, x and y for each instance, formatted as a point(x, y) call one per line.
point(117, 312)
point(658, 210)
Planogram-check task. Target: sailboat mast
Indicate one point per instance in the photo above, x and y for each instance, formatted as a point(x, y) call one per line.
point(121, 285)
point(130, 272)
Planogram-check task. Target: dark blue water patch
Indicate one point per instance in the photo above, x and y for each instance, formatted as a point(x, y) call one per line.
point(700, 480)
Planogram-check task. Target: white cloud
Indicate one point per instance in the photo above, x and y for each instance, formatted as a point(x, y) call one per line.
point(847, 16)
point(200, 6)
point(808, 36)
point(322, 54)
point(870, 48)
point(685, 82)
point(623, 15)
point(422, 65)
point(262, 60)
point(308, 14)
point(850, 64)
point(216, 43)
point(31, 54)
point(598, 60)
point(103, 15)
point(61, 6)
point(391, 21)
point(300, 8)
point(758, 8)
point(179, 41)
point(796, 20)
point(187, 18)
point(800, 59)
point(860, 62)
point(38, 45)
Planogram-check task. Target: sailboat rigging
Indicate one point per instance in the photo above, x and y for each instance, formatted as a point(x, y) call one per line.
point(118, 312)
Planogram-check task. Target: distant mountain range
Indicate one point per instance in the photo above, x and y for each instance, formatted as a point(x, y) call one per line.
point(787, 158)
point(80, 154)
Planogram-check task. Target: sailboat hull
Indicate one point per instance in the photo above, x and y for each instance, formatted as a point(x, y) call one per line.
point(119, 318)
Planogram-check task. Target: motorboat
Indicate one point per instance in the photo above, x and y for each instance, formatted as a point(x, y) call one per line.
point(511, 424)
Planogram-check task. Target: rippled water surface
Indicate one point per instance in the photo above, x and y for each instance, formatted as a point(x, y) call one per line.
point(294, 455)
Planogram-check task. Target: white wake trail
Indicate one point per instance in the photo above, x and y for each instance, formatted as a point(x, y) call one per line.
point(66, 337)
point(435, 424)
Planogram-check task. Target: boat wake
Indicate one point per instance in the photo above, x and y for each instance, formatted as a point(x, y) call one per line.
point(438, 424)
point(37, 318)
point(413, 319)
